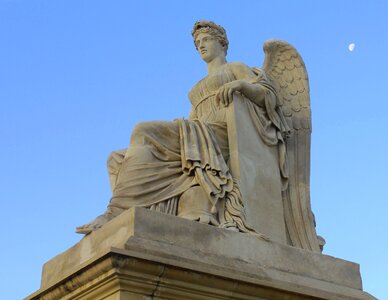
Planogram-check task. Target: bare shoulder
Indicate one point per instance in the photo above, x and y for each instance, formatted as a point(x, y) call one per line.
point(239, 66)
point(241, 70)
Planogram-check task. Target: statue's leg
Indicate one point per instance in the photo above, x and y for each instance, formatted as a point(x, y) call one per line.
point(195, 205)
point(98, 222)
point(169, 206)
point(152, 143)
point(231, 211)
point(221, 133)
point(146, 174)
point(150, 166)
point(114, 163)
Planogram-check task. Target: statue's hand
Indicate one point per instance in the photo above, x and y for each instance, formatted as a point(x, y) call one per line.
point(225, 93)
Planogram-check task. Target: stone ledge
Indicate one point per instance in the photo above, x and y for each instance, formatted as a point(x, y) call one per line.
point(185, 247)
point(118, 275)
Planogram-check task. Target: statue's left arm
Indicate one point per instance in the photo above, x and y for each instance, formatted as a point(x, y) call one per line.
point(247, 83)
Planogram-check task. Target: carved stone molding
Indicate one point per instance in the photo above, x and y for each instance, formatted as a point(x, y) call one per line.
point(158, 256)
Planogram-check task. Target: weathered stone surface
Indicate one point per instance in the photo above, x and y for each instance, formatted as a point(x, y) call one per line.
point(240, 162)
point(245, 144)
point(255, 165)
point(151, 253)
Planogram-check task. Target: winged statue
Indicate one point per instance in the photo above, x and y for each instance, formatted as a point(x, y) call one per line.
point(241, 160)
point(287, 73)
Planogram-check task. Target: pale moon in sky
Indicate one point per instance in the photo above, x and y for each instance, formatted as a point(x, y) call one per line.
point(351, 47)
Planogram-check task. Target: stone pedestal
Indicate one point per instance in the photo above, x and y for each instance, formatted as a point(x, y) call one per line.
point(148, 255)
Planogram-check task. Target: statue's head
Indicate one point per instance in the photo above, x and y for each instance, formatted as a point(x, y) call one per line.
point(212, 29)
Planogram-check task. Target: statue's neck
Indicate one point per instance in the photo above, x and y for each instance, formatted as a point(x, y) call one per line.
point(215, 64)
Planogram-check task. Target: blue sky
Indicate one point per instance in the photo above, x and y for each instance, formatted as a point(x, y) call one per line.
point(77, 75)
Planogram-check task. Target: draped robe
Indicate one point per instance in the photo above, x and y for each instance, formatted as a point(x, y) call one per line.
point(164, 159)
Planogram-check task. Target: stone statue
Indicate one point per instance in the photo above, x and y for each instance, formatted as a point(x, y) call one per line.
point(240, 161)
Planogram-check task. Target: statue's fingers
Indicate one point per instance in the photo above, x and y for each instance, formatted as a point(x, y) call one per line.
point(230, 95)
point(221, 97)
point(218, 96)
point(225, 95)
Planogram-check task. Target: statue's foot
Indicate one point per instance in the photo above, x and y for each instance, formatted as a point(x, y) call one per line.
point(261, 236)
point(233, 227)
point(229, 226)
point(99, 221)
point(95, 224)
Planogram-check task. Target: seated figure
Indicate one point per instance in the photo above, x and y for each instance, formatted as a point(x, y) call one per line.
point(193, 168)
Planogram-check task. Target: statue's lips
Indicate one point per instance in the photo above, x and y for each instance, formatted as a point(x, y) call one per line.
point(203, 51)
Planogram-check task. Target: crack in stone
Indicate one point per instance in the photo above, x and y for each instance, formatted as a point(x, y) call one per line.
point(151, 297)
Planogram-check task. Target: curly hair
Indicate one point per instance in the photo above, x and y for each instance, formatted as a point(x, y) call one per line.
point(213, 29)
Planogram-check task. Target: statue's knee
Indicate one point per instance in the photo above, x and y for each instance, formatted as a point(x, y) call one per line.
point(195, 205)
point(115, 159)
point(140, 130)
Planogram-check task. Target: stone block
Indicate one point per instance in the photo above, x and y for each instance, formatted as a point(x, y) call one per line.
point(143, 254)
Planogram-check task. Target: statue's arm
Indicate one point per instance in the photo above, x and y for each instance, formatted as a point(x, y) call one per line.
point(254, 92)
point(247, 83)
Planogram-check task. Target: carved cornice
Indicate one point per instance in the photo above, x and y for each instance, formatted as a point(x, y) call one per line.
point(120, 274)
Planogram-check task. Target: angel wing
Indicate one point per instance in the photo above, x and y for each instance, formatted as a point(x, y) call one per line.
point(287, 73)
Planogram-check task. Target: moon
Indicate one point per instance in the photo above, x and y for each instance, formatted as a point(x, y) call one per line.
point(351, 46)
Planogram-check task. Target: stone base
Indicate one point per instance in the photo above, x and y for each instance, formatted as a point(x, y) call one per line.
point(143, 254)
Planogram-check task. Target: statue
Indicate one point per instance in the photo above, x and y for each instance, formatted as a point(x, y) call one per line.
point(242, 154)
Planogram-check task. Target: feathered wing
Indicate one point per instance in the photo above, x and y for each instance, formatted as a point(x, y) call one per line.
point(286, 71)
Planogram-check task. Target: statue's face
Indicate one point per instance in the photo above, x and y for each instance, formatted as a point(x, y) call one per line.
point(209, 47)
